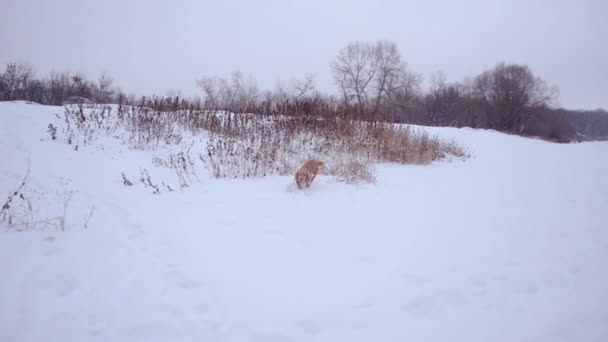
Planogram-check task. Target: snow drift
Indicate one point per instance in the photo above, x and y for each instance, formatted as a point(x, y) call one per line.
point(509, 245)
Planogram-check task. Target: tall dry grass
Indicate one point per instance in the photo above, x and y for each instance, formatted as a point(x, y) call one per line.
point(253, 145)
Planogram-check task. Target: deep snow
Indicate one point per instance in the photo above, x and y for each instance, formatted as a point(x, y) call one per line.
point(510, 245)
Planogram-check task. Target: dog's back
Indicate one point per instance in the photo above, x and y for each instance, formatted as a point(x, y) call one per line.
point(312, 166)
point(307, 173)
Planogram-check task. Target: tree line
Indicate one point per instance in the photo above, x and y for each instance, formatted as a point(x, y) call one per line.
point(20, 82)
point(373, 81)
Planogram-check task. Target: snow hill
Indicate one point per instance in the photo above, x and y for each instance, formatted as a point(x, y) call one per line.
point(509, 245)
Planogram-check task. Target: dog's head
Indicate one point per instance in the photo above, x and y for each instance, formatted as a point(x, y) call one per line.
point(301, 177)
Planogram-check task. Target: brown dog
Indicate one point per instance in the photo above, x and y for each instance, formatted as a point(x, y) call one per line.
point(307, 173)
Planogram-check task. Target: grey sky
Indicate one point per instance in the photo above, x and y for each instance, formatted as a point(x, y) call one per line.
point(152, 46)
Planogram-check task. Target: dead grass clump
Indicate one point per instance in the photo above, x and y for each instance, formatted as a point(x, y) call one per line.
point(404, 145)
point(452, 148)
point(182, 164)
point(18, 212)
point(353, 171)
point(253, 145)
point(248, 156)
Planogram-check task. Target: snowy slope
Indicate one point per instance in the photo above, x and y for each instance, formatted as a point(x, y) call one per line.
point(511, 245)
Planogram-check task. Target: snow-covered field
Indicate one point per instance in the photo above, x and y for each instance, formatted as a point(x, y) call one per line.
point(510, 245)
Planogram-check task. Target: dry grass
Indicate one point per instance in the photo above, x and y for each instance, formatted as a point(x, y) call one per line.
point(253, 145)
point(18, 213)
point(352, 171)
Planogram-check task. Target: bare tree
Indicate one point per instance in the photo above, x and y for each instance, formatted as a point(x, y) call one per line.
point(59, 87)
point(293, 90)
point(27, 78)
point(19, 82)
point(353, 70)
point(303, 88)
point(209, 87)
point(405, 90)
point(235, 94)
point(511, 91)
point(15, 81)
point(434, 99)
point(375, 76)
point(36, 91)
point(104, 91)
point(82, 87)
point(445, 101)
point(389, 71)
point(280, 94)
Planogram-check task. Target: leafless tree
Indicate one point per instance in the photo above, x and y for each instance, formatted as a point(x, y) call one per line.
point(353, 70)
point(15, 81)
point(510, 92)
point(375, 76)
point(293, 90)
point(390, 68)
point(81, 86)
point(104, 91)
point(59, 87)
point(405, 91)
point(234, 94)
point(303, 88)
point(36, 91)
point(444, 101)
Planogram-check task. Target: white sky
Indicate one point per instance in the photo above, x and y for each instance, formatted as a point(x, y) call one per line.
point(152, 46)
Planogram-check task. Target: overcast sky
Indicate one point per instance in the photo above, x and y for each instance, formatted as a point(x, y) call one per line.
point(152, 46)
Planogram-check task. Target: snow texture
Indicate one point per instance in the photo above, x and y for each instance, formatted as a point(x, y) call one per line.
point(510, 245)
